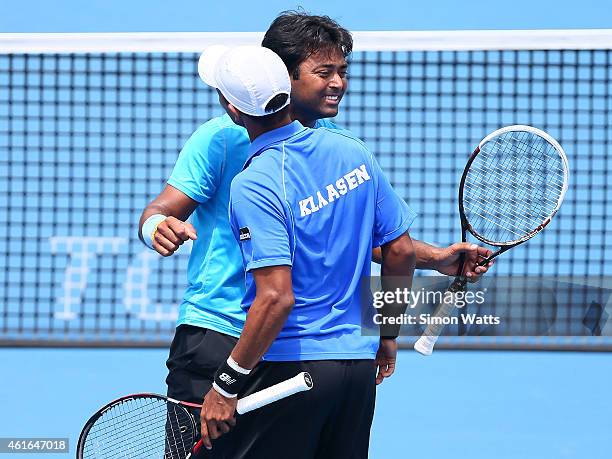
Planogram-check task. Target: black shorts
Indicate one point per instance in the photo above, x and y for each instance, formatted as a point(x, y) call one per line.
point(331, 421)
point(195, 355)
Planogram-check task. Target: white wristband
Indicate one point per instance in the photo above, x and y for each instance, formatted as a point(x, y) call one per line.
point(149, 227)
point(222, 392)
point(234, 366)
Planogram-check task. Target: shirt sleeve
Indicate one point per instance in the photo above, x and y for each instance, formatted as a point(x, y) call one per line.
point(393, 216)
point(327, 123)
point(259, 224)
point(199, 167)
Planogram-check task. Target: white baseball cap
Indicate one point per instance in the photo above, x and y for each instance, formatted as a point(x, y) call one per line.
point(248, 76)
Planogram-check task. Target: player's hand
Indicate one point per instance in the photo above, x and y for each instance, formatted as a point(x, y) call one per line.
point(385, 359)
point(171, 234)
point(217, 416)
point(447, 260)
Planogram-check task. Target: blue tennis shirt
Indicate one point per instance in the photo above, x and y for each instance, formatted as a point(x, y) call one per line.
point(315, 200)
point(204, 170)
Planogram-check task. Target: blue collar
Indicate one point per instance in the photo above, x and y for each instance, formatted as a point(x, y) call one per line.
point(271, 137)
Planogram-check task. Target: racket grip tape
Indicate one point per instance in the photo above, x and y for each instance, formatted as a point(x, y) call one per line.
point(299, 383)
point(425, 344)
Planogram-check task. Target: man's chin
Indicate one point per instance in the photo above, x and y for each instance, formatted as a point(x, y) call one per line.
point(329, 112)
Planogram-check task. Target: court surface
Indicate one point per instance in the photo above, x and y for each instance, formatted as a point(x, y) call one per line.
point(475, 405)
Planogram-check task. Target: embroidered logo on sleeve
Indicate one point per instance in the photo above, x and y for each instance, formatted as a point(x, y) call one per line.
point(245, 234)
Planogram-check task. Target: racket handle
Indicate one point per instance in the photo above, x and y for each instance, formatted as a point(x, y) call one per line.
point(427, 341)
point(425, 344)
point(299, 383)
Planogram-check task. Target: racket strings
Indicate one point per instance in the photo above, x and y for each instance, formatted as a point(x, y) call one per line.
point(530, 149)
point(519, 207)
point(507, 163)
point(522, 214)
point(508, 187)
point(527, 185)
point(175, 445)
point(517, 211)
point(513, 186)
point(141, 428)
point(124, 430)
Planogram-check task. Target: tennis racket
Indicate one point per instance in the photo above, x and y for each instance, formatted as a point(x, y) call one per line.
point(149, 426)
point(512, 186)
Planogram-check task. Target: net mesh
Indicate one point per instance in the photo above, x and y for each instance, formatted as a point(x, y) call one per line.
point(88, 139)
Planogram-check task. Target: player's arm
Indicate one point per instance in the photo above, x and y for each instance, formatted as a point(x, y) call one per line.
point(194, 179)
point(259, 223)
point(393, 218)
point(164, 221)
point(267, 315)
point(445, 260)
point(398, 263)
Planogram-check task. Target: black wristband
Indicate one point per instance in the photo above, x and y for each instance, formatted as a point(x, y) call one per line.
point(228, 381)
point(388, 336)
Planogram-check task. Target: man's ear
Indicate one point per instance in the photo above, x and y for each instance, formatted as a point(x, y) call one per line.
point(234, 114)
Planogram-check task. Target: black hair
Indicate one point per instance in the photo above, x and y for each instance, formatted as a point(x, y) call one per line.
point(276, 102)
point(273, 116)
point(295, 35)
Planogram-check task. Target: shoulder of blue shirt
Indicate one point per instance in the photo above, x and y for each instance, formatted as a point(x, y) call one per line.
point(214, 126)
point(222, 122)
point(321, 125)
point(263, 171)
point(205, 139)
point(262, 177)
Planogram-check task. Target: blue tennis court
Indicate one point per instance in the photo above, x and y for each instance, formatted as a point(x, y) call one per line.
point(473, 405)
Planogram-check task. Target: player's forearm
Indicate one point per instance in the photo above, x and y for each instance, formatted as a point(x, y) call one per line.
point(152, 209)
point(399, 257)
point(265, 319)
point(399, 260)
point(425, 255)
point(171, 203)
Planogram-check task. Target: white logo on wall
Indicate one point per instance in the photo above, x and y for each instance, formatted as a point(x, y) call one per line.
point(83, 251)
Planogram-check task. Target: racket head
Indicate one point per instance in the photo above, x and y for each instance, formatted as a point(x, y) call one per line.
point(512, 185)
point(138, 426)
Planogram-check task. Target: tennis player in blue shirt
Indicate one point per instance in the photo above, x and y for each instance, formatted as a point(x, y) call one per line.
point(307, 209)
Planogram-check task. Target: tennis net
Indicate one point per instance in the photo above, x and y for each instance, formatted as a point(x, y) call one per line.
point(91, 124)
